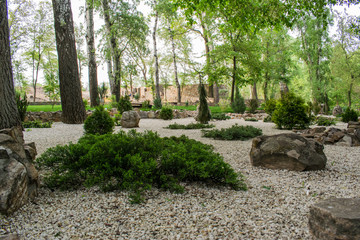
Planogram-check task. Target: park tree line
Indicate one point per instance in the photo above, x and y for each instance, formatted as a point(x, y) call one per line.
point(247, 45)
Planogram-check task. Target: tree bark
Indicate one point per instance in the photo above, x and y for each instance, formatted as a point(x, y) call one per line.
point(73, 110)
point(157, 87)
point(175, 66)
point(90, 40)
point(233, 80)
point(9, 115)
point(254, 91)
point(114, 52)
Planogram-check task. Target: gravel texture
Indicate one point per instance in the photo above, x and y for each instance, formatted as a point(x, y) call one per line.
point(276, 205)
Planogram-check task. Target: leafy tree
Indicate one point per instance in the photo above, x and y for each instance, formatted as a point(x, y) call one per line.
point(9, 114)
point(73, 110)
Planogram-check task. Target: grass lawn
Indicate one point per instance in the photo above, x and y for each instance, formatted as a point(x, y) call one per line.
point(50, 108)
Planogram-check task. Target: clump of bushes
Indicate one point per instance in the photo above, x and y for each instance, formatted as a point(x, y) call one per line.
point(290, 113)
point(22, 104)
point(146, 104)
point(235, 132)
point(124, 104)
point(253, 105)
point(166, 113)
point(117, 119)
point(135, 161)
point(190, 126)
point(270, 106)
point(323, 121)
point(220, 116)
point(238, 106)
point(349, 115)
point(99, 122)
point(37, 124)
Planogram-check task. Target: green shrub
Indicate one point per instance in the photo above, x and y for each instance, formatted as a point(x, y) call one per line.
point(117, 119)
point(251, 119)
point(235, 132)
point(220, 116)
point(157, 103)
point(190, 126)
point(323, 121)
point(270, 106)
point(350, 115)
point(267, 119)
point(99, 122)
point(204, 114)
point(37, 124)
point(166, 113)
point(22, 104)
point(86, 103)
point(290, 113)
point(253, 105)
point(146, 104)
point(124, 104)
point(238, 106)
point(137, 96)
point(135, 162)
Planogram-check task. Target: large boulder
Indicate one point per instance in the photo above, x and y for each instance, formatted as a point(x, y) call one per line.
point(19, 179)
point(287, 151)
point(337, 110)
point(130, 119)
point(336, 218)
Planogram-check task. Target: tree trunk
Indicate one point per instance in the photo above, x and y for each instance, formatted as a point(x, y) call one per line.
point(110, 74)
point(175, 67)
point(254, 92)
point(284, 89)
point(157, 87)
point(73, 110)
point(9, 115)
point(90, 40)
point(233, 80)
point(349, 95)
point(216, 94)
point(114, 51)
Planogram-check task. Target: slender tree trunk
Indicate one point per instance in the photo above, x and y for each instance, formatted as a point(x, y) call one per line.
point(175, 66)
point(254, 94)
point(283, 88)
point(157, 87)
point(9, 115)
point(349, 94)
point(110, 74)
point(233, 79)
point(90, 40)
point(73, 110)
point(114, 51)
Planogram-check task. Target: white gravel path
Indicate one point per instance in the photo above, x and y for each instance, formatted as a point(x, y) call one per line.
point(275, 206)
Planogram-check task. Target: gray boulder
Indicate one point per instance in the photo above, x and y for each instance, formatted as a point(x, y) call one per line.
point(19, 179)
point(287, 151)
point(337, 110)
point(336, 218)
point(130, 119)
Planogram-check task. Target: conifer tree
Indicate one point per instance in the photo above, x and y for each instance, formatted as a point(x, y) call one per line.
point(204, 114)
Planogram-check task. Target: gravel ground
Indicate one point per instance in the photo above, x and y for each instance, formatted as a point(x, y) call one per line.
point(275, 206)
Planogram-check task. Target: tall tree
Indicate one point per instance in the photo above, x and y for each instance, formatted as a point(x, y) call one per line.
point(9, 115)
point(157, 86)
point(90, 40)
point(73, 110)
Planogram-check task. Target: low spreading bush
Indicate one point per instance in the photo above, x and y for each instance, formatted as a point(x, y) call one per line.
point(235, 132)
point(220, 116)
point(135, 161)
point(166, 113)
point(190, 126)
point(251, 119)
point(124, 104)
point(350, 115)
point(37, 124)
point(323, 121)
point(290, 112)
point(99, 122)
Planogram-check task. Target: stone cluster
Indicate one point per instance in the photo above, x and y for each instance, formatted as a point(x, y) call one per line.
point(18, 176)
point(341, 137)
